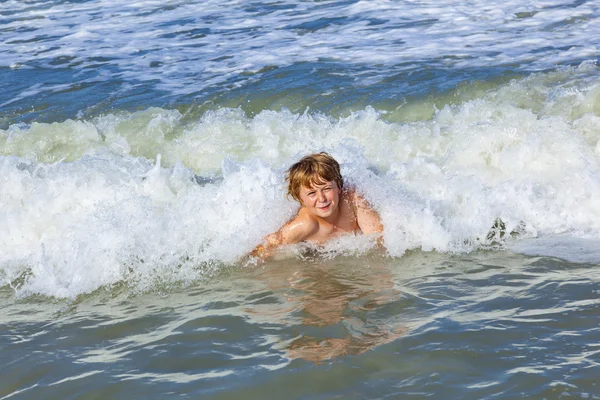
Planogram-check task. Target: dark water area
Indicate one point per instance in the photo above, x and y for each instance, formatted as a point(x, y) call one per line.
point(46, 95)
point(66, 60)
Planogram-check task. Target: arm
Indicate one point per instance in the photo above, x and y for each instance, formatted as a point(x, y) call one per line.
point(296, 230)
point(368, 220)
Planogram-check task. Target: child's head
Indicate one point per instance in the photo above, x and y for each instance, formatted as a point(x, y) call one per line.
point(315, 169)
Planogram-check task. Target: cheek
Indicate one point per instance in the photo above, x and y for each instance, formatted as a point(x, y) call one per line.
point(305, 200)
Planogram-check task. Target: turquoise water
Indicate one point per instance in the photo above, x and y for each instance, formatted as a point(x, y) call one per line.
point(142, 151)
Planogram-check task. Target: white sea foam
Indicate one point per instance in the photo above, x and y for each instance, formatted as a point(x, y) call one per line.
point(72, 227)
point(189, 46)
point(148, 197)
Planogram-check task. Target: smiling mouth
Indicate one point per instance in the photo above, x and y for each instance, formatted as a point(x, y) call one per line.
point(324, 208)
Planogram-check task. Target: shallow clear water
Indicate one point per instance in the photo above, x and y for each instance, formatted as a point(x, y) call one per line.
point(143, 146)
point(488, 324)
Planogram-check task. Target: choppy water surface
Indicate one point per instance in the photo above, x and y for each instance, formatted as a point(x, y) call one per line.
point(143, 146)
point(326, 55)
point(474, 326)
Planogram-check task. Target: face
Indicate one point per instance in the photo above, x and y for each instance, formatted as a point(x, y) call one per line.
point(321, 200)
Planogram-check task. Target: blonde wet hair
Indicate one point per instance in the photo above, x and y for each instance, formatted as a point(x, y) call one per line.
point(311, 170)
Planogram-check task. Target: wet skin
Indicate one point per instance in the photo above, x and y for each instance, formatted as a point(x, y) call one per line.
point(326, 211)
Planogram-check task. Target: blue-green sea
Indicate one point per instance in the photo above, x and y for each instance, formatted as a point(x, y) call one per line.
point(143, 147)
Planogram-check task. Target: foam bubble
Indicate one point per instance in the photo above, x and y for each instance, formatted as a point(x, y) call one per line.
point(70, 228)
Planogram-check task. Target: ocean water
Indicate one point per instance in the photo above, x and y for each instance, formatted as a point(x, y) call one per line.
point(143, 146)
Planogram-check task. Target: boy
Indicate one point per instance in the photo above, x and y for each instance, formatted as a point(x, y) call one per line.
point(328, 209)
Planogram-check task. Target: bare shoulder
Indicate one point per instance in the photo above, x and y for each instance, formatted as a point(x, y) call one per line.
point(355, 199)
point(368, 219)
point(303, 225)
point(297, 229)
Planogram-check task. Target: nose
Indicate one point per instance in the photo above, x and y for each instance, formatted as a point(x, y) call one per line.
point(321, 196)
